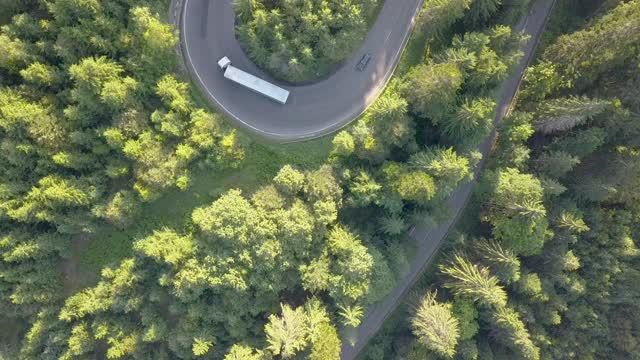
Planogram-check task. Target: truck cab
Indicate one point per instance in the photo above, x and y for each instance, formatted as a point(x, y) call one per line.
point(224, 62)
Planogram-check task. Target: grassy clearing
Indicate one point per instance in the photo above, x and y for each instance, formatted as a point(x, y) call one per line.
point(110, 244)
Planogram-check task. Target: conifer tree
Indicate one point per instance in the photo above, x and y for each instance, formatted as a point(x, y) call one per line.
point(468, 280)
point(435, 326)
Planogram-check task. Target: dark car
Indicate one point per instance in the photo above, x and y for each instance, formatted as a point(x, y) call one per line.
point(364, 61)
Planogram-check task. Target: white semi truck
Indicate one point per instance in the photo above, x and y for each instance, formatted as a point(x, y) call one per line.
point(253, 82)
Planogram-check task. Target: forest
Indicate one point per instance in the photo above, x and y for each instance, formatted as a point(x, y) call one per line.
point(102, 134)
point(300, 41)
point(545, 264)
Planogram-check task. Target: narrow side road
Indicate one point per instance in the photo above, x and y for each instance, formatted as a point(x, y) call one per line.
point(429, 240)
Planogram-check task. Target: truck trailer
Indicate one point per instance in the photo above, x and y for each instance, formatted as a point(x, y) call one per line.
point(253, 82)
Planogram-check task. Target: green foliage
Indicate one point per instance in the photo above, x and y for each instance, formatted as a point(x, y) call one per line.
point(41, 75)
point(468, 350)
point(90, 130)
point(289, 180)
point(242, 352)
point(609, 42)
point(27, 259)
point(327, 345)
point(444, 165)
point(503, 262)
point(351, 315)
point(201, 347)
point(120, 209)
point(316, 276)
point(465, 312)
point(382, 279)
point(287, 334)
point(516, 211)
point(511, 331)
point(385, 126)
point(556, 164)
point(570, 227)
point(564, 114)
point(515, 130)
point(472, 122)
point(154, 43)
point(481, 10)
point(437, 15)
point(99, 139)
point(485, 57)
point(410, 185)
point(166, 246)
point(294, 332)
point(581, 143)
point(435, 326)
point(301, 42)
point(431, 89)
point(351, 268)
point(512, 11)
point(267, 243)
point(12, 7)
point(14, 53)
point(540, 81)
point(468, 280)
point(531, 286)
point(393, 225)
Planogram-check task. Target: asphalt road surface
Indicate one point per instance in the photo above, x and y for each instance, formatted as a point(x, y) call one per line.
point(429, 240)
point(207, 34)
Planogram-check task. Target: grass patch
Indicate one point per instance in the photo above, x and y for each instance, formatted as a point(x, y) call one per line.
point(110, 244)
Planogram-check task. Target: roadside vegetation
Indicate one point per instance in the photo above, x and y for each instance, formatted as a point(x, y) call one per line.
point(301, 41)
point(545, 262)
point(202, 242)
point(173, 242)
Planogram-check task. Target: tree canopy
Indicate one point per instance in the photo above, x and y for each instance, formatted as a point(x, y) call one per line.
point(300, 41)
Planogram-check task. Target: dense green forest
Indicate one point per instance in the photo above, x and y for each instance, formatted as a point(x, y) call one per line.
point(100, 133)
point(303, 40)
point(546, 263)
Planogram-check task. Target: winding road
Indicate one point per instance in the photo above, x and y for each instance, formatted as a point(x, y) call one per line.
point(207, 34)
point(429, 240)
